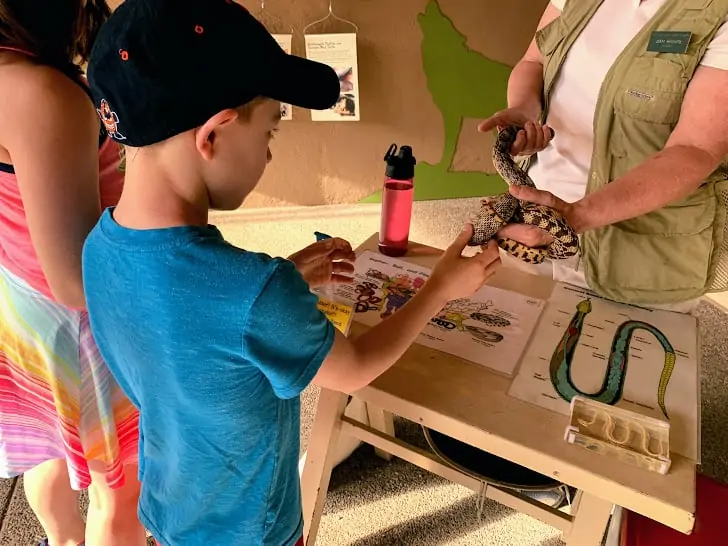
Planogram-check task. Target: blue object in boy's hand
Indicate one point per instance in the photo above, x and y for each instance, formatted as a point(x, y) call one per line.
point(321, 236)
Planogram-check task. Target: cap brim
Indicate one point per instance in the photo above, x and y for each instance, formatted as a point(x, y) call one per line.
point(303, 83)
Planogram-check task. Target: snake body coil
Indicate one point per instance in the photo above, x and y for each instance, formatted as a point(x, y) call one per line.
point(506, 209)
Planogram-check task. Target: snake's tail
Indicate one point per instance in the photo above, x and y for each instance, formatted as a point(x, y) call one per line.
point(664, 381)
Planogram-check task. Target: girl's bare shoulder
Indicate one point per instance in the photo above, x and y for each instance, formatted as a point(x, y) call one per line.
point(34, 92)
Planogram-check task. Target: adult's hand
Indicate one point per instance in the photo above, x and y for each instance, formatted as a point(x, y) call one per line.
point(532, 138)
point(325, 262)
point(532, 236)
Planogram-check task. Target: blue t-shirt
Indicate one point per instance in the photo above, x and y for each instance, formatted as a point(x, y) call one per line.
point(213, 344)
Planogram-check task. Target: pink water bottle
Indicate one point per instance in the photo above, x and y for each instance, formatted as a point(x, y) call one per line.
point(397, 197)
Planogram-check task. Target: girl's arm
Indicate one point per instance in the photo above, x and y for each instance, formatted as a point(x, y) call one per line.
point(50, 128)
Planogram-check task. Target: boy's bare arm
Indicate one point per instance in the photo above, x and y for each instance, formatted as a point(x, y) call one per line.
point(353, 364)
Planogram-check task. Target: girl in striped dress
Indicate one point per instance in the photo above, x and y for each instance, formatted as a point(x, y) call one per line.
point(64, 422)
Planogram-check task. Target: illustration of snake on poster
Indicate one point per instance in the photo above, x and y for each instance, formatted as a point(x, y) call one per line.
point(639, 359)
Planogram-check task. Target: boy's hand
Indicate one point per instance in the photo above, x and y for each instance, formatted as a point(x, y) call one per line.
point(320, 263)
point(456, 276)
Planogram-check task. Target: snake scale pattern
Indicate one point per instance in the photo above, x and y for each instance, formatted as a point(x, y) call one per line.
point(506, 209)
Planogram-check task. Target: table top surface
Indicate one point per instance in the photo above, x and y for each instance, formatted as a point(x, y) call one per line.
point(470, 402)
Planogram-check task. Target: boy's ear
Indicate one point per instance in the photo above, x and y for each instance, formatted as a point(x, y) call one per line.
point(206, 134)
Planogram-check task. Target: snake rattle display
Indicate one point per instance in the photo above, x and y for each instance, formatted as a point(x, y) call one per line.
point(616, 373)
point(506, 209)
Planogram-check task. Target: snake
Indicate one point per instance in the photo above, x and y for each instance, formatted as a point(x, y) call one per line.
point(616, 372)
point(491, 320)
point(484, 335)
point(505, 209)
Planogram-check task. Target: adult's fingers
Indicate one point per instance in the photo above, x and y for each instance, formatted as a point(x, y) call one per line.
point(490, 123)
point(520, 144)
point(548, 134)
point(533, 134)
point(503, 118)
point(534, 195)
point(530, 236)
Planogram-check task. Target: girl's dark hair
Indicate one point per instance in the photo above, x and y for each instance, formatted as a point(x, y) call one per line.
point(59, 32)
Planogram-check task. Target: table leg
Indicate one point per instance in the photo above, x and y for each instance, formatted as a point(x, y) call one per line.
point(591, 519)
point(320, 458)
point(383, 421)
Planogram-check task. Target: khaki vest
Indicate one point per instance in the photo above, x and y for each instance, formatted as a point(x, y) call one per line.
point(679, 252)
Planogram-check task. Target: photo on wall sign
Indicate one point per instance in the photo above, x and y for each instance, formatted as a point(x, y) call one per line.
point(285, 40)
point(339, 52)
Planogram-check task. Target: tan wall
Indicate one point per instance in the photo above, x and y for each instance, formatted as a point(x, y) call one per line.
point(329, 162)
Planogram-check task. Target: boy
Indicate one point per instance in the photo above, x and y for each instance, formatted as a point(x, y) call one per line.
point(213, 343)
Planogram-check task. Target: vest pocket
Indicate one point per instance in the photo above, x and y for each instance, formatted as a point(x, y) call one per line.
point(663, 251)
point(652, 90)
point(647, 108)
point(650, 263)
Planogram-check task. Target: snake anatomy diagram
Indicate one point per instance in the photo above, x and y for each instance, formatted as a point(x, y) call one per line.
point(616, 373)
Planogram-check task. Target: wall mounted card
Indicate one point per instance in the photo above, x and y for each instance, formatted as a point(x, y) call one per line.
point(339, 52)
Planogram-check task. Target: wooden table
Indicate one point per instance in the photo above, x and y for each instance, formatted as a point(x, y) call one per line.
point(470, 403)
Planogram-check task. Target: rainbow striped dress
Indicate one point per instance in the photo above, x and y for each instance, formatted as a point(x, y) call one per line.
point(58, 399)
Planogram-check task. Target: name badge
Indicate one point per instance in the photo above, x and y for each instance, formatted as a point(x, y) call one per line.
point(669, 41)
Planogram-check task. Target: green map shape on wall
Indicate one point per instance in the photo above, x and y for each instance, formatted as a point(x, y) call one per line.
point(463, 84)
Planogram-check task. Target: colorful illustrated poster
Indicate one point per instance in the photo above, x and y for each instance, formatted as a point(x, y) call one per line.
point(339, 52)
point(490, 328)
point(638, 359)
point(285, 40)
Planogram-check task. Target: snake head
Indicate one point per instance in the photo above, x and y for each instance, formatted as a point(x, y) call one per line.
point(584, 306)
point(506, 138)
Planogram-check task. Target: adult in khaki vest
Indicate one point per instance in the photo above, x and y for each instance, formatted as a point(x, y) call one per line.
point(637, 95)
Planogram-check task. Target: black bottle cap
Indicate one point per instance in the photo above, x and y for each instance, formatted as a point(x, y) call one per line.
point(402, 165)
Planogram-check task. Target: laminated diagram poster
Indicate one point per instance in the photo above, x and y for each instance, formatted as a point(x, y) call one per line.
point(339, 52)
point(638, 359)
point(490, 328)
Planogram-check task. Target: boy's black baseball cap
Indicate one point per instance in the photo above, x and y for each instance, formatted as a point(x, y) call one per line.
point(162, 67)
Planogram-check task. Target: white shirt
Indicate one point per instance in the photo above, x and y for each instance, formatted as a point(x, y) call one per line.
point(562, 168)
